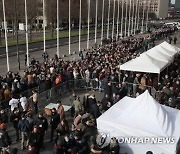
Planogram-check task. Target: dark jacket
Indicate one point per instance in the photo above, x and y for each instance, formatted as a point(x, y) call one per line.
point(13, 119)
point(42, 124)
point(35, 140)
point(5, 140)
point(55, 120)
point(23, 125)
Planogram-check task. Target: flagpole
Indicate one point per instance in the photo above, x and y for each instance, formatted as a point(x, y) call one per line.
point(102, 23)
point(142, 25)
point(108, 18)
point(5, 28)
point(27, 45)
point(69, 26)
point(126, 19)
point(122, 18)
point(58, 28)
point(96, 21)
point(132, 25)
point(88, 23)
point(117, 22)
point(113, 20)
point(80, 25)
point(147, 17)
point(44, 27)
point(129, 25)
point(136, 12)
point(138, 15)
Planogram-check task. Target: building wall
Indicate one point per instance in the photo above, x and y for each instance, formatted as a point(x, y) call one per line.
point(163, 6)
point(177, 4)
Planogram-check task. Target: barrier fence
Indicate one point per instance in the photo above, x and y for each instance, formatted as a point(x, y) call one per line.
point(68, 87)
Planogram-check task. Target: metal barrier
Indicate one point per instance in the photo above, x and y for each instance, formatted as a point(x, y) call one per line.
point(68, 87)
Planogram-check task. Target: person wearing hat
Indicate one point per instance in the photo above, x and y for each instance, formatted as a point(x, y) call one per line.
point(55, 120)
point(42, 123)
point(5, 140)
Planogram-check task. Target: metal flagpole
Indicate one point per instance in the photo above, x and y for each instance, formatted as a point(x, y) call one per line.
point(108, 18)
point(5, 28)
point(117, 22)
point(138, 15)
point(44, 27)
point(102, 23)
point(88, 23)
point(129, 24)
point(122, 18)
point(142, 26)
point(113, 19)
point(96, 21)
point(126, 19)
point(132, 25)
point(69, 26)
point(27, 45)
point(136, 12)
point(58, 28)
point(17, 39)
point(147, 17)
point(80, 25)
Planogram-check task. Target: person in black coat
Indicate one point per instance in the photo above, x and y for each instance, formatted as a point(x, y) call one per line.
point(34, 141)
point(48, 86)
point(42, 123)
point(14, 118)
point(55, 120)
point(5, 140)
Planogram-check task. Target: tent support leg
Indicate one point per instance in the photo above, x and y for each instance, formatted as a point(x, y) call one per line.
point(158, 77)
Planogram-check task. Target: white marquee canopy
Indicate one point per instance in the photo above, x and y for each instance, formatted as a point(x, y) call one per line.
point(141, 117)
point(154, 60)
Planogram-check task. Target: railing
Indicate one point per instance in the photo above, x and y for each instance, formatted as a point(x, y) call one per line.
point(68, 87)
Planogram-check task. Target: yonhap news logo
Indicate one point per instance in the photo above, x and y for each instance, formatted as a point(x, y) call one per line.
point(146, 140)
point(104, 139)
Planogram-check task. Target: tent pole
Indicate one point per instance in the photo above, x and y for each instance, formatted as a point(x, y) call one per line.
point(158, 77)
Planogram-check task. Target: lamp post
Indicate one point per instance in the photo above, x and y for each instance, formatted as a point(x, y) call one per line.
point(17, 39)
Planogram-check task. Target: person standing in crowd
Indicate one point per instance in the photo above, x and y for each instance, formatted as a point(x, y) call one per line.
point(170, 39)
point(35, 100)
point(31, 121)
point(42, 123)
point(60, 110)
point(55, 120)
point(3, 117)
point(35, 141)
point(23, 127)
point(13, 103)
point(77, 106)
point(175, 40)
point(23, 101)
point(5, 140)
point(14, 118)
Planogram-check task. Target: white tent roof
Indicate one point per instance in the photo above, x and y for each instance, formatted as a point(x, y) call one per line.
point(170, 47)
point(144, 63)
point(154, 53)
point(141, 117)
point(164, 51)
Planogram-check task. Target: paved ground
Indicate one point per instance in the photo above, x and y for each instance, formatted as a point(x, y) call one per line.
point(64, 50)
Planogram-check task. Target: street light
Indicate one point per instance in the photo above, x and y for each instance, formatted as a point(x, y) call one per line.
point(16, 31)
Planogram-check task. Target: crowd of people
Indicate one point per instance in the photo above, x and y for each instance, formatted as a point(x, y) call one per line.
point(100, 65)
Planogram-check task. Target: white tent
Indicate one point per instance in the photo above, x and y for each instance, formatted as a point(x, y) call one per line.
point(144, 63)
point(154, 53)
point(170, 47)
point(141, 117)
